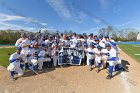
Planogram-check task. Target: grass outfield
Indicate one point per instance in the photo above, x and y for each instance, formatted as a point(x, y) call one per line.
point(4, 57)
point(132, 50)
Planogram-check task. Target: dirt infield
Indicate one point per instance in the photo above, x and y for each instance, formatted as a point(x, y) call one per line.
point(74, 79)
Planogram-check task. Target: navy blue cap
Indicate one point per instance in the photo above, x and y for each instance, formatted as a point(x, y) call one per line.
point(84, 34)
point(92, 44)
point(96, 39)
point(95, 36)
point(101, 36)
point(98, 46)
point(43, 45)
point(107, 45)
point(106, 36)
point(50, 36)
point(30, 35)
point(18, 48)
point(91, 34)
point(74, 33)
point(85, 44)
point(61, 34)
point(80, 35)
point(23, 34)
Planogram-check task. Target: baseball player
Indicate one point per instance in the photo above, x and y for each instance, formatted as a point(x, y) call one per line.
point(85, 37)
point(74, 38)
point(47, 56)
point(64, 41)
point(32, 58)
point(19, 41)
point(72, 45)
point(40, 39)
point(98, 57)
point(80, 38)
point(55, 52)
point(14, 66)
point(111, 42)
point(35, 41)
point(49, 42)
point(102, 41)
point(90, 56)
point(84, 56)
point(26, 43)
point(90, 39)
point(104, 57)
point(41, 55)
point(112, 59)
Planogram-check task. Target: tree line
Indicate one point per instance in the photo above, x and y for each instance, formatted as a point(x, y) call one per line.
point(127, 34)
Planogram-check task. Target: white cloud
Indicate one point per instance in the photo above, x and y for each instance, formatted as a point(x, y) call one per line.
point(80, 18)
point(117, 9)
point(4, 25)
point(96, 20)
point(125, 23)
point(104, 3)
point(5, 17)
point(60, 8)
point(43, 24)
point(93, 30)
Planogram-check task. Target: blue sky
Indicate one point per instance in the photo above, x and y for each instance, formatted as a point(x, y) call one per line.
point(76, 15)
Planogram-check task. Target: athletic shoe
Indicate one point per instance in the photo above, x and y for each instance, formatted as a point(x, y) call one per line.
point(98, 70)
point(109, 77)
point(12, 78)
point(36, 73)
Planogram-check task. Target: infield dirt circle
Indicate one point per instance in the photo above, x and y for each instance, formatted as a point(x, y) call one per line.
point(74, 79)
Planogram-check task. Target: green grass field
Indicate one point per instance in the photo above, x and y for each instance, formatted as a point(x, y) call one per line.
point(4, 57)
point(132, 50)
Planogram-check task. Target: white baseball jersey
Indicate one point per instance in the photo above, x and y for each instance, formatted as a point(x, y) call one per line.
point(25, 42)
point(112, 53)
point(65, 42)
point(90, 53)
point(14, 62)
point(74, 41)
point(19, 42)
point(89, 41)
point(41, 53)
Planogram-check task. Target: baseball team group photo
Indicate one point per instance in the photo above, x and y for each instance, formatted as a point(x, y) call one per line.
point(61, 46)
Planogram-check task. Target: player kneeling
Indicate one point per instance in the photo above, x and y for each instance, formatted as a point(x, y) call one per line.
point(98, 57)
point(112, 60)
point(14, 66)
point(32, 59)
point(90, 56)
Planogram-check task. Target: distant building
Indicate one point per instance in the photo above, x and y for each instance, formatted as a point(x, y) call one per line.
point(138, 36)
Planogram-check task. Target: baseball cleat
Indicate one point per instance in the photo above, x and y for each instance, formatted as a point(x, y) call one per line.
point(12, 78)
point(125, 69)
point(98, 70)
point(109, 77)
point(36, 73)
point(90, 69)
